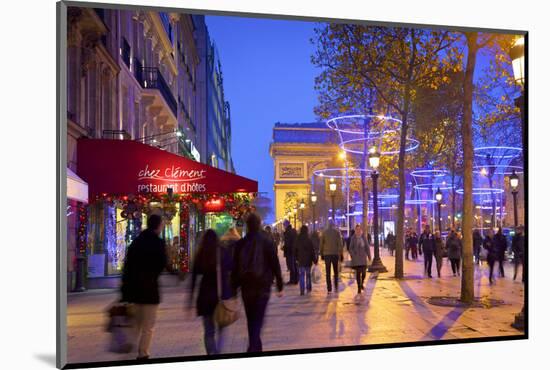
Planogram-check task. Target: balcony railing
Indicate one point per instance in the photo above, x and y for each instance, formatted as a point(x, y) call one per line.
point(125, 51)
point(151, 78)
point(116, 135)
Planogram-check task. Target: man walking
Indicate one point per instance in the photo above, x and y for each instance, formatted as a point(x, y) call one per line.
point(332, 250)
point(518, 247)
point(145, 260)
point(427, 245)
point(289, 250)
point(501, 247)
point(255, 266)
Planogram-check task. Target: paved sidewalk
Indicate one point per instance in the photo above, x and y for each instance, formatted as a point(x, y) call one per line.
point(389, 311)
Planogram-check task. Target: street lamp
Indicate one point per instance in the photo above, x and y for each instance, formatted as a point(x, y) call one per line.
point(514, 183)
point(302, 207)
point(439, 199)
point(332, 189)
point(374, 161)
point(294, 212)
point(313, 202)
point(517, 54)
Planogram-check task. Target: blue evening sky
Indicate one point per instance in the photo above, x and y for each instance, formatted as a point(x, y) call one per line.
point(268, 78)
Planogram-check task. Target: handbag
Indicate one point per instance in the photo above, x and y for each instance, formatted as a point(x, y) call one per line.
point(316, 274)
point(226, 311)
point(121, 326)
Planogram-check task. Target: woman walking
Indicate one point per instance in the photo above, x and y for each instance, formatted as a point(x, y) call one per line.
point(439, 252)
point(359, 251)
point(212, 258)
point(306, 256)
point(454, 246)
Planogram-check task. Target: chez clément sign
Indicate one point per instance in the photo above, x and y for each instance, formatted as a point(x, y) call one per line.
point(181, 180)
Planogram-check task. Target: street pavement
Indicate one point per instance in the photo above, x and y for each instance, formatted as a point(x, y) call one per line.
point(389, 311)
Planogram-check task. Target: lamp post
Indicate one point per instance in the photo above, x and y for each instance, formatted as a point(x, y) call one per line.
point(332, 189)
point(439, 199)
point(313, 199)
point(302, 207)
point(514, 183)
point(294, 212)
point(374, 161)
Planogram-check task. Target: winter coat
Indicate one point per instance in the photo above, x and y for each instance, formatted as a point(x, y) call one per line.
point(478, 241)
point(359, 251)
point(454, 247)
point(439, 248)
point(305, 251)
point(412, 241)
point(490, 246)
point(518, 246)
point(244, 250)
point(501, 245)
point(427, 243)
point(145, 260)
point(331, 243)
point(289, 247)
point(205, 264)
point(316, 243)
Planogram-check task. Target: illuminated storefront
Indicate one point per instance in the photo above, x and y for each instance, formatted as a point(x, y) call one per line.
point(129, 181)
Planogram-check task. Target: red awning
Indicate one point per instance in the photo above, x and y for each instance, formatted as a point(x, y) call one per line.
point(129, 167)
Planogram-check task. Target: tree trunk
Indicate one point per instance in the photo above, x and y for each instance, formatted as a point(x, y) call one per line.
point(399, 235)
point(467, 286)
point(453, 197)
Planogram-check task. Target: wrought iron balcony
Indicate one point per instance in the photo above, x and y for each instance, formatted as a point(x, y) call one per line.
point(151, 78)
point(116, 135)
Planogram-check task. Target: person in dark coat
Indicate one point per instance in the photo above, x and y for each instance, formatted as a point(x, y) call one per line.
point(306, 257)
point(501, 246)
point(439, 252)
point(206, 265)
point(454, 248)
point(478, 241)
point(427, 245)
point(359, 251)
point(492, 253)
point(289, 250)
point(145, 260)
point(255, 266)
point(391, 240)
point(518, 247)
point(413, 242)
point(316, 240)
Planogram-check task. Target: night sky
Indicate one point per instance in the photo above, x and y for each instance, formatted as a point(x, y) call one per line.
point(268, 78)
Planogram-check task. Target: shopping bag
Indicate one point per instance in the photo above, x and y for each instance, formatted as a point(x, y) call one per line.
point(483, 254)
point(122, 328)
point(316, 274)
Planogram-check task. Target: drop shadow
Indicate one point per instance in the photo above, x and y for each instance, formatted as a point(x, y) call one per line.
point(46, 358)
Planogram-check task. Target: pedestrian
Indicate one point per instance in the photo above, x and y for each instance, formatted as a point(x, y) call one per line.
point(269, 233)
point(427, 245)
point(477, 241)
point(492, 253)
point(316, 240)
point(289, 249)
point(255, 266)
point(145, 260)
point(502, 246)
point(277, 238)
point(439, 252)
point(305, 254)
point(212, 259)
point(359, 251)
point(331, 252)
point(454, 248)
point(413, 240)
point(518, 247)
point(390, 239)
point(407, 245)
